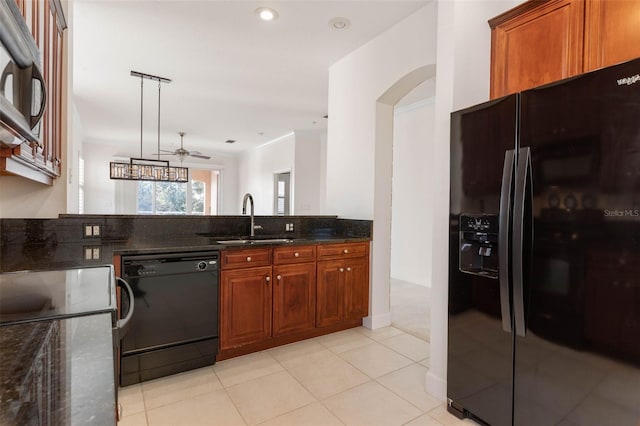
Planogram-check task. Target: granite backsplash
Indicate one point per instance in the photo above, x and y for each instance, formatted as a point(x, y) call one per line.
point(61, 242)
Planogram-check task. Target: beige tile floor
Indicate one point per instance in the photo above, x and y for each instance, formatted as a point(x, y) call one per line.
point(411, 308)
point(354, 377)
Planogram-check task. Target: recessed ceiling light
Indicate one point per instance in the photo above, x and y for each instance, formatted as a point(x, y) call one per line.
point(339, 23)
point(266, 13)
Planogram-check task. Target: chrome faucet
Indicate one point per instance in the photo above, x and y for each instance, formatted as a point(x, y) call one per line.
point(248, 196)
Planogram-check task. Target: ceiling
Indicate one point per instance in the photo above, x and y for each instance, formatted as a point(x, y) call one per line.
point(233, 76)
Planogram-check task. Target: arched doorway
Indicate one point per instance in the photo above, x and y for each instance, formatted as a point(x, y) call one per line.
point(411, 212)
point(380, 315)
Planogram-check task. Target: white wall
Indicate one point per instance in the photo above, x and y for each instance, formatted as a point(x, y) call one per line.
point(411, 214)
point(256, 168)
point(20, 198)
point(363, 88)
point(322, 192)
point(300, 152)
point(74, 127)
point(464, 53)
point(73, 162)
point(99, 190)
point(355, 84)
point(308, 168)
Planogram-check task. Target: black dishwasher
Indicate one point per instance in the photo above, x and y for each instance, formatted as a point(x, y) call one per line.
point(175, 324)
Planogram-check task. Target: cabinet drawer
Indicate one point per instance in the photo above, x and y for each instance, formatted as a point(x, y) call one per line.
point(295, 254)
point(232, 259)
point(341, 251)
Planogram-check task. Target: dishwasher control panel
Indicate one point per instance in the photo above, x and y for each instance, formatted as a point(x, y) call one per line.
point(138, 266)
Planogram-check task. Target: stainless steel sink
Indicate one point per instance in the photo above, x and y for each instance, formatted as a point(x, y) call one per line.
point(255, 241)
point(227, 242)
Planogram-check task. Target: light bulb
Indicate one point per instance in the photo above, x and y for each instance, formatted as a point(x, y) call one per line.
point(266, 14)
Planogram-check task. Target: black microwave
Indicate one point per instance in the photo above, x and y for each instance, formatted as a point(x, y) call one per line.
point(22, 89)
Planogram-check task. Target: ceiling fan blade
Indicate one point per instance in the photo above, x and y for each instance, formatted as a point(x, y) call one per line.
point(206, 157)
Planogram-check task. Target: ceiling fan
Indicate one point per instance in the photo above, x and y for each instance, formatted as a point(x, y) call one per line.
point(181, 153)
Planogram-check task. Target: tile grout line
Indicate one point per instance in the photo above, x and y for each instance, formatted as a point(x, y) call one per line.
point(224, 388)
point(318, 400)
point(400, 396)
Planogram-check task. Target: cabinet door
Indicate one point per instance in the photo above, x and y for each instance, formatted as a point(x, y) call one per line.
point(330, 294)
point(245, 306)
point(536, 43)
point(356, 288)
point(294, 298)
point(612, 32)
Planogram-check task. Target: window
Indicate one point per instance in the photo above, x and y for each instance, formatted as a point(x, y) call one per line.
point(198, 196)
point(281, 194)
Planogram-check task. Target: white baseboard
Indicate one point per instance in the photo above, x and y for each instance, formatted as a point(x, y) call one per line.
point(377, 321)
point(435, 386)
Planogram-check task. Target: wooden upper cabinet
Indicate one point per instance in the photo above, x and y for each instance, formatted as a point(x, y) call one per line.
point(536, 43)
point(541, 41)
point(612, 32)
point(42, 161)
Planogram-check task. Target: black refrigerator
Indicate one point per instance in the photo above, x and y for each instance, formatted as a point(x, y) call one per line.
point(544, 259)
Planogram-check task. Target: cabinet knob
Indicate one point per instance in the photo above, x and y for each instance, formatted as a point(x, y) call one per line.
point(296, 254)
point(341, 269)
point(268, 279)
point(345, 251)
point(279, 277)
point(248, 258)
point(349, 269)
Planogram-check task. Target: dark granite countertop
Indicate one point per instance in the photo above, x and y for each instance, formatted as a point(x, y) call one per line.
point(202, 243)
point(58, 372)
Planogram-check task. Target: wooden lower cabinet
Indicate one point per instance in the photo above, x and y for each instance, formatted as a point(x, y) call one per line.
point(245, 306)
point(356, 288)
point(330, 296)
point(343, 290)
point(294, 298)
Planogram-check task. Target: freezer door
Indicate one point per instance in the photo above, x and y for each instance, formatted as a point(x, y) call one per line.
point(480, 343)
point(578, 358)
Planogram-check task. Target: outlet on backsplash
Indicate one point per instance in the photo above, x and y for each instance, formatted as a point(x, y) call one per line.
point(92, 253)
point(91, 230)
point(288, 227)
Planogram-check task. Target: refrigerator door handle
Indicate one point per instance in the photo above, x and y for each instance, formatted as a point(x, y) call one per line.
point(523, 172)
point(504, 237)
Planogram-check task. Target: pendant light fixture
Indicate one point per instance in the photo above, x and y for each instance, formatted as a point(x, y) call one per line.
point(148, 169)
